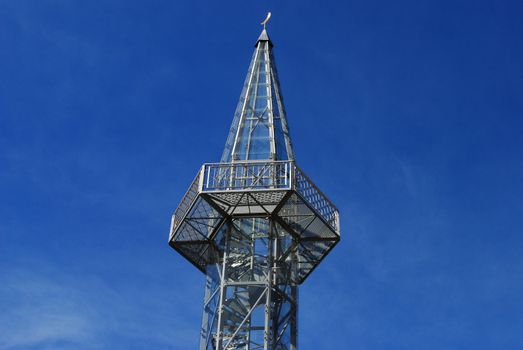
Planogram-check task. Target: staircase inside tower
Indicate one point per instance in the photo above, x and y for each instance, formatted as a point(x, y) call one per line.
point(247, 294)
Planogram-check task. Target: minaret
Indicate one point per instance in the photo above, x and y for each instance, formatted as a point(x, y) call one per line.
point(254, 223)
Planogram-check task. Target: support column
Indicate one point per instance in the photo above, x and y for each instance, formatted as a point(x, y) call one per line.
point(223, 288)
point(267, 336)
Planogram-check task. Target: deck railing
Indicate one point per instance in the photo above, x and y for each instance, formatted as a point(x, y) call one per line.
point(240, 176)
point(258, 175)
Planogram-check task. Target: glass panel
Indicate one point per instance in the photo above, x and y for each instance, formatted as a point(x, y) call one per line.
point(250, 134)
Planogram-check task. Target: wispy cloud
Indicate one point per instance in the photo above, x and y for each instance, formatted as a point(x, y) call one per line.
point(48, 308)
point(40, 309)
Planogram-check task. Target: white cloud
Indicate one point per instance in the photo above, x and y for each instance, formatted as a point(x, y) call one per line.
point(38, 309)
point(49, 308)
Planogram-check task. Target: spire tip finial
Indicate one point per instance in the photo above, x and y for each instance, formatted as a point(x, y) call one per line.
point(264, 23)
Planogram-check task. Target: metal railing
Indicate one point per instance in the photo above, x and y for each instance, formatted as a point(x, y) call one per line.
point(304, 186)
point(185, 204)
point(247, 176)
point(257, 175)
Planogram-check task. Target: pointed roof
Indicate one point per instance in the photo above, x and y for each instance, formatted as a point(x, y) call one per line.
point(259, 128)
point(264, 37)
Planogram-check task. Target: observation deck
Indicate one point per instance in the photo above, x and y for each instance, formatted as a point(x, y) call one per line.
point(307, 221)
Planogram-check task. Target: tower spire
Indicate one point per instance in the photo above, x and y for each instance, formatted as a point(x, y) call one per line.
point(259, 129)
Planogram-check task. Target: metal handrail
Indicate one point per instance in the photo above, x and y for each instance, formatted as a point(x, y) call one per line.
point(186, 203)
point(246, 175)
point(257, 175)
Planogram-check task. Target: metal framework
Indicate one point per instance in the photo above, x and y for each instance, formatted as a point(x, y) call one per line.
point(254, 223)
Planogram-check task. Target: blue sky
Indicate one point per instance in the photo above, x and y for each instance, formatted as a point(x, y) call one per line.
point(408, 114)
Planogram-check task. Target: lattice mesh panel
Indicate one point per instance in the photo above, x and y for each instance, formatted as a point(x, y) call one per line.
point(310, 254)
point(303, 220)
point(192, 236)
